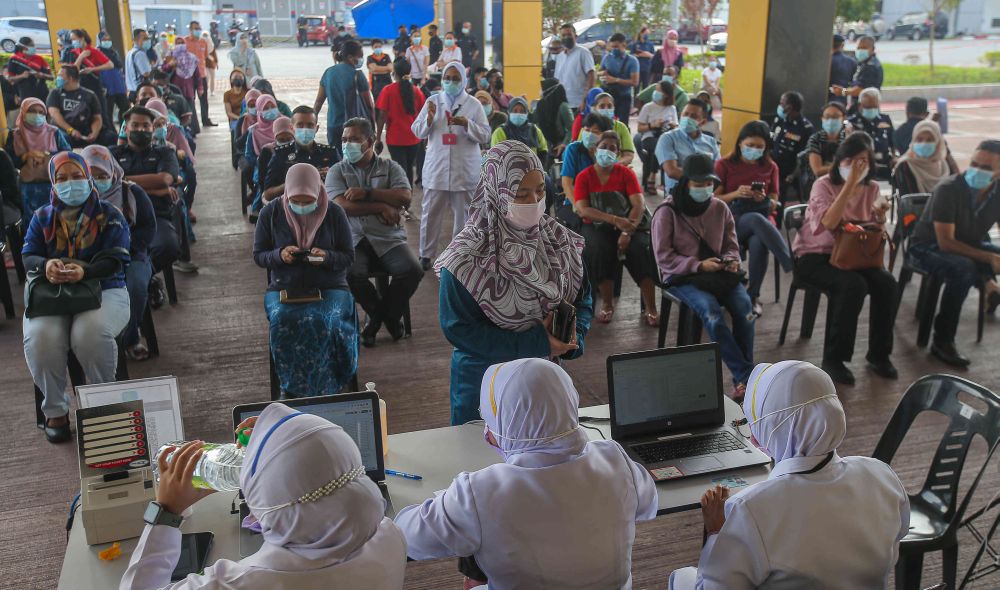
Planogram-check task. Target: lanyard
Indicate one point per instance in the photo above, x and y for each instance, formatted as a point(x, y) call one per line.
point(821, 465)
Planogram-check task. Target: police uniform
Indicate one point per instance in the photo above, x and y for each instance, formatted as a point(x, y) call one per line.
point(790, 138)
point(881, 132)
point(165, 247)
point(319, 155)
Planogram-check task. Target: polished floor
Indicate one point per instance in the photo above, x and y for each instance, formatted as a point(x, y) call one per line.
point(215, 341)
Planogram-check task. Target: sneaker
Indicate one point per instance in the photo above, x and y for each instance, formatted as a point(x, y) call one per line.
point(425, 263)
point(883, 368)
point(369, 331)
point(949, 355)
point(758, 308)
point(157, 293)
point(396, 329)
point(185, 266)
point(838, 372)
point(139, 352)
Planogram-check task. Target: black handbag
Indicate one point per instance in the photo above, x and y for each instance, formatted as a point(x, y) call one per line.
point(42, 298)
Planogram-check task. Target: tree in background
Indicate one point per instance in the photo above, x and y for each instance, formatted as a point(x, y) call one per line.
point(557, 12)
point(937, 6)
point(856, 10)
point(653, 13)
point(618, 11)
point(699, 12)
point(630, 16)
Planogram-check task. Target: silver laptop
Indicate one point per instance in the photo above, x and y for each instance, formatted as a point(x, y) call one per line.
point(357, 414)
point(667, 412)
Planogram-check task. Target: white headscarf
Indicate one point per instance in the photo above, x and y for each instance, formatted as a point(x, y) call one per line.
point(293, 455)
point(793, 410)
point(461, 72)
point(531, 407)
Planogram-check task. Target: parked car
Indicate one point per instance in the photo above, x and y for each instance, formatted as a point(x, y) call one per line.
point(591, 30)
point(717, 42)
point(14, 27)
point(687, 32)
point(917, 25)
point(851, 30)
point(318, 30)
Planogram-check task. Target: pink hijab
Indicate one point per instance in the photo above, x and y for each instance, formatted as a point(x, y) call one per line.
point(252, 94)
point(303, 179)
point(174, 134)
point(281, 125)
point(263, 131)
point(668, 53)
point(33, 139)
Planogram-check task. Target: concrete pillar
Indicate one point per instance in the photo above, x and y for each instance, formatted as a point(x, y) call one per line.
point(522, 54)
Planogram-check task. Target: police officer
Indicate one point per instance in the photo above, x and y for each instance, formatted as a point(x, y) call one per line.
point(870, 119)
point(869, 73)
point(842, 69)
point(791, 133)
point(305, 149)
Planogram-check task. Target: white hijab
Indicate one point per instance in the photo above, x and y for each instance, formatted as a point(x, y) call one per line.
point(794, 412)
point(291, 455)
point(531, 407)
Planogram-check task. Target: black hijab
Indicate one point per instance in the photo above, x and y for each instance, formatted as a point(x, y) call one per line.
point(547, 110)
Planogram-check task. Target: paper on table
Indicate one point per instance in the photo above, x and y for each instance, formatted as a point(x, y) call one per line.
point(161, 404)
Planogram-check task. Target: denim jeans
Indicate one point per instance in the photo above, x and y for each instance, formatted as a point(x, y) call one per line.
point(137, 275)
point(91, 336)
point(959, 274)
point(736, 344)
point(761, 238)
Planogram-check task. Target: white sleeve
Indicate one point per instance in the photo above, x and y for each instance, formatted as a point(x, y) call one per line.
point(645, 490)
point(479, 126)
point(154, 559)
point(644, 113)
point(735, 558)
point(446, 525)
point(420, 128)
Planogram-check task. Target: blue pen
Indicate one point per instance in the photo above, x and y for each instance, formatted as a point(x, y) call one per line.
point(403, 474)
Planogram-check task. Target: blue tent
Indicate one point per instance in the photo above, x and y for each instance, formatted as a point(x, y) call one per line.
point(380, 19)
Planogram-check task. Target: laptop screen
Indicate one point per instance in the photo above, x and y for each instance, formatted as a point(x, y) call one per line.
point(355, 416)
point(666, 389)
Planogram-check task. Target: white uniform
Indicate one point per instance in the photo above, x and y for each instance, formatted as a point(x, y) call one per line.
point(452, 163)
point(559, 514)
point(820, 520)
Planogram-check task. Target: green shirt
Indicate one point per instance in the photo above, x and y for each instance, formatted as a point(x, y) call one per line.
point(499, 134)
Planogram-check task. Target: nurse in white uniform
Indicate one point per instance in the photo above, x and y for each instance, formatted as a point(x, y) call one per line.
point(819, 520)
point(559, 513)
point(321, 517)
point(454, 124)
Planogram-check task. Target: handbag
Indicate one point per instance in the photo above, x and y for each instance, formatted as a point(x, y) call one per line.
point(859, 246)
point(356, 106)
point(42, 298)
point(35, 167)
point(616, 204)
point(719, 284)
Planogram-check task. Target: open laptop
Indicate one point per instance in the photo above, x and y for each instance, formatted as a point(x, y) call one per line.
point(357, 414)
point(667, 412)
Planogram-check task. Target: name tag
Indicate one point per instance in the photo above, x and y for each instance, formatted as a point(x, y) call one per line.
point(449, 139)
point(883, 125)
point(793, 136)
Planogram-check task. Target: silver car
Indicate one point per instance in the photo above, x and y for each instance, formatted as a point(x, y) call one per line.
point(12, 28)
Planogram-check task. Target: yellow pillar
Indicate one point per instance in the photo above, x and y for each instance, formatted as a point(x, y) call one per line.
point(125, 22)
point(3, 124)
point(522, 37)
point(71, 14)
point(745, 56)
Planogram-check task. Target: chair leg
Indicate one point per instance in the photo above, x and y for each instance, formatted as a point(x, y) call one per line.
point(148, 330)
point(6, 295)
point(949, 565)
point(688, 332)
point(76, 374)
point(275, 385)
point(16, 242)
point(407, 326)
point(168, 280)
point(39, 416)
point(788, 313)
point(618, 280)
point(981, 314)
point(777, 281)
point(665, 303)
point(930, 288)
point(909, 568)
point(809, 309)
point(121, 371)
point(904, 277)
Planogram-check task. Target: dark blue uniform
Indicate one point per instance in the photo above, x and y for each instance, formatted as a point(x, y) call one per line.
point(842, 69)
point(790, 138)
point(881, 132)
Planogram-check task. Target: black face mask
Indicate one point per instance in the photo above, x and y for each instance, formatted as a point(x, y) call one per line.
point(238, 83)
point(568, 42)
point(143, 101)
point(140, 139)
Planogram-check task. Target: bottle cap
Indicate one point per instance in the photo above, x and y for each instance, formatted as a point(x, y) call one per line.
point(243, 437)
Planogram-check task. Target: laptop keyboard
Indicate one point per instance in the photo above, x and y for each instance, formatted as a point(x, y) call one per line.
point(687, 446)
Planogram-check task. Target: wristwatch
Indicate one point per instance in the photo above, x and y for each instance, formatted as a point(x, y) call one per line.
point(157, 514)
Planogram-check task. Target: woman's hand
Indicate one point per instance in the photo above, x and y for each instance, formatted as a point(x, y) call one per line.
point(557, 347)
point(624, 240)
point(710, 265)
point(859, 169)
point(732, 265)
point(176, 492)
point(248, 424)
point(317, 253)
point(625, 224)
point(72, 273)
point(744, 192)
point(53, 271)
point(431, 111)
point(713, 508)
point(286, 254)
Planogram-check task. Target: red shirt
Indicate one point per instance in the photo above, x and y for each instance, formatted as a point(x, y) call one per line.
point(96, 57)
point(735, 175)
point(398, 120)
point(621, 180)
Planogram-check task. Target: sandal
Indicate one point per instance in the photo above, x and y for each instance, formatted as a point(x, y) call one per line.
point(652, 319)
point(604, 316)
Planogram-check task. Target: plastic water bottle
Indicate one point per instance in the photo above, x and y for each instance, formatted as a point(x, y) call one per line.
point(218, 469)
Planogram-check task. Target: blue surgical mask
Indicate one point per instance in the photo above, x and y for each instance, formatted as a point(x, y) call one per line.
point(146, 45)
point(303, 209)
point(160, 133)
point(978, 179)
point(605, 157)
point(609, 113)
point(35, 119)
point(103, 185)
point(452, 87)
point(449, 42)
point(73, 192)
point(60, 81)
point(484, 83)
point(617, 52)
point(488, 109)
point(518, 119)
point(305, 136)
point(252, 111)
point(416, 40)
point(657, 96)
point(924, 149)
point(465, 30)
point(352, 151)
point(106, 44)
point(588, 139)
point(667, 78)
point(270, 114)
point(832, 125)
point(713, 64)
point(751, 153)
point(377, 51)
point(781, 112)
point(77, 44)
point(862, 54)
point(30, 50)
point(870, 114)
point(700, 194)
point(688, 125)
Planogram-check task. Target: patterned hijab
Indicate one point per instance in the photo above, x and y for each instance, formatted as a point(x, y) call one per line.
point(32, 139)
point(517, 276)
point(73, 229)
point(99, 157)
point(187, 63)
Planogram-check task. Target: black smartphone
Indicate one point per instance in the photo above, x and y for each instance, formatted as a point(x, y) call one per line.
point(564, 321)
point(757, 186)
point(300, 254)
point(194, 554)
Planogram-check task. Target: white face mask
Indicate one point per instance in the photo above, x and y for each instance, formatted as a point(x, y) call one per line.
point(525, 216)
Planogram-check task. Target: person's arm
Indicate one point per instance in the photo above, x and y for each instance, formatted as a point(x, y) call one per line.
point(669, 261)
point(232, 116)
point(156, 181)
point(423, 123)
point(499, 135)
point(667, 156)
point(266, 254)
point(154, 559)
point(341, 257)
point(835, 214)
point(320, 99)
point(379, 122)
point(144, 231)
point(57, 119)
point(446, 525)
point(272, 193)
point(730, 245)
point(478, 126)
point(672, 169)
point(817, 165)
point(945, 234)
point(647, 499)
point(584, 305)
point(627, 145)
point(734, 557)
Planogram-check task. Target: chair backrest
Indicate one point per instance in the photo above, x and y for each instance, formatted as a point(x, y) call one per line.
point(910, 208)
point(793, 219)
point(939, 393)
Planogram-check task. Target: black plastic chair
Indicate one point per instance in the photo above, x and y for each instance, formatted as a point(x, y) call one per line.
point(15, 241)
point(688, 323)
point(6, 295)
point(984, 542)
point(148, 329)
point(936, 513)
point(77, 378)
point(792, 220)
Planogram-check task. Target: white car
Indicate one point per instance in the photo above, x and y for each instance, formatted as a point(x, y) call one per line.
point(717, 42)
point(12, 28)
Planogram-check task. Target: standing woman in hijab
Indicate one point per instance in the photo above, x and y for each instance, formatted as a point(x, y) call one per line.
point(454, 125)
point(186, 75)
point(504, 275)
point(137, 208)
point(76, 237)
point(669, 55)
point(925, 163)
point(321, 517)
point(851, 511)
point(32, 142)
point(162, 48)
point(245, 58)
point(305, 241)
point(551, 474)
